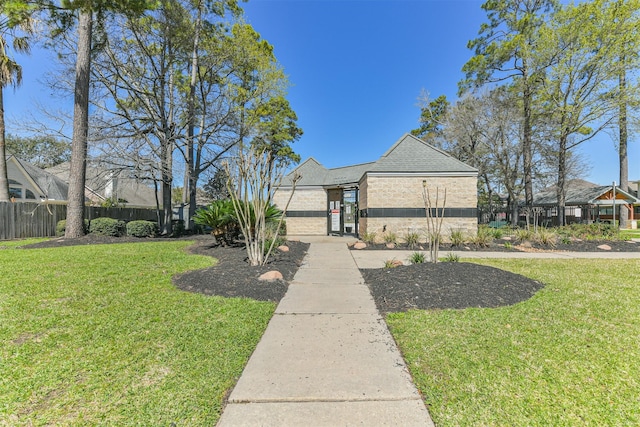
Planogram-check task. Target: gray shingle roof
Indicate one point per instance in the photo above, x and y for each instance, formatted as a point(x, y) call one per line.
point(411, 154)
point(53, 187)
point(578, 193)
point(408, 155)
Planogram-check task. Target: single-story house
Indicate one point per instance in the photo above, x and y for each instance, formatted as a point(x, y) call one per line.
point(586, 202)
point(103, 184)
point(385, 196)
point(28, 183)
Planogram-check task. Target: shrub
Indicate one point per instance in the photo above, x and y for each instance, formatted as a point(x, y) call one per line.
point(457, 238)
point(390, 237)
point(178, 228)
point(107, 227)
point(61, 227)
point(508, 245)
point(391, 263)
point(451, 257)
point(141, 228)
point(369, 238)
point(483, 237)
point(219, 215)
point(412, 239)
point(497, 233)
point(523, 234)
point(417, 258)
point(546, 237)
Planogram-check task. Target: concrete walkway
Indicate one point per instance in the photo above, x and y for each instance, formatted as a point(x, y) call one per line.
point(327, 357)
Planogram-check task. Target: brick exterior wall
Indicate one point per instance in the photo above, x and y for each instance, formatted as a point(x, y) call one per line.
point(406, 192)
point(304, 200)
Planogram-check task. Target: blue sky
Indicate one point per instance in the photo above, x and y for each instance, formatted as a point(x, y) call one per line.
point(357, 68)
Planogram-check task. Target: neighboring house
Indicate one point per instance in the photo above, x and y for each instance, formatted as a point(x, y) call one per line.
point(585, 202)
point(28, 183)
point(385, 196)
point(102, 185)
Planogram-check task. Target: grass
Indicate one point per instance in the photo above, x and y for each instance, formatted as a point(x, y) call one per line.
point(98, 335)
point(631, 234)
point(568, 356)
point(10, 244)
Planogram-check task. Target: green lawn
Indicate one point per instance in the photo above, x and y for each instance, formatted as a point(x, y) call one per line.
point(98, 335)
point(632, 234)
point(569, 356)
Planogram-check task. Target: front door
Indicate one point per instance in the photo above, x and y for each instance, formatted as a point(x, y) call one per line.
point(335, 220)
point(342, 211)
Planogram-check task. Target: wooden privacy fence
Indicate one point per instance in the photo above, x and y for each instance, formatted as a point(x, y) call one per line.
point(20, 220)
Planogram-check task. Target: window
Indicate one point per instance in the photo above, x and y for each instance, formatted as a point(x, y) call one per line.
point(15, 192)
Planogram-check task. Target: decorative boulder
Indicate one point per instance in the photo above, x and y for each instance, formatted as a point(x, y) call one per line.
point(604, 247)
point(360, 245)
point(271, 276)
point(283, 248)
point(391, 245)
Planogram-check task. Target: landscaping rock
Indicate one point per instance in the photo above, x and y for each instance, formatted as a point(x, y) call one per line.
point(391, 245)
point(604, 247)
point(271, 276)
point(283, 248)
point(360, 245)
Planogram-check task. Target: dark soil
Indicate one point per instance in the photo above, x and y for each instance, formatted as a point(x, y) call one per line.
point(446, 285)
point(234, 277)
point(422, 286)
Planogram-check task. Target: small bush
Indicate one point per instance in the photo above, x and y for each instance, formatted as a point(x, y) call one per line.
point(451, 257)
point(369, 238)
point(497, 233)
point(457, 238)
point(483, 237)
point(522, 234)
point(391, 263)
point(390, 237)
point(178, 228)
point(141, 228)
point(412, 239)
point(546, 237)
point(417, 258)
point(61, 227)
point(107, 227)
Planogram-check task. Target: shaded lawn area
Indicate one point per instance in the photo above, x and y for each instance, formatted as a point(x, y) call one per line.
point(98, 334)
point(568, 356)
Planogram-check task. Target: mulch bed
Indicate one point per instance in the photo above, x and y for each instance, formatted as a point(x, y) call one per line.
point(446, 285)
point(234, 277)
point(426, 286)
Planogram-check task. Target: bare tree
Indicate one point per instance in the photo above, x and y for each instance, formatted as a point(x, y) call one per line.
point(435, 218)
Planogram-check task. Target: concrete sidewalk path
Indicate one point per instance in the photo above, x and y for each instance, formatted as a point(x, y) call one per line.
point(327, 357)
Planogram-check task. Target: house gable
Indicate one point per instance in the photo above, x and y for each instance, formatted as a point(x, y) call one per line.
point(35, 183)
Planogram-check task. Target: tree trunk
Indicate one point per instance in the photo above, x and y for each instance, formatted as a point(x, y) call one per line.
point(562, 172)
point(78, 166)
point(527, 146)
point(189, 191)
point(4, 178)
point(166, 227)
point(624, 137)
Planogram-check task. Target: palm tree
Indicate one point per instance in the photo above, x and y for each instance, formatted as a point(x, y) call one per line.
point(10, 74)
